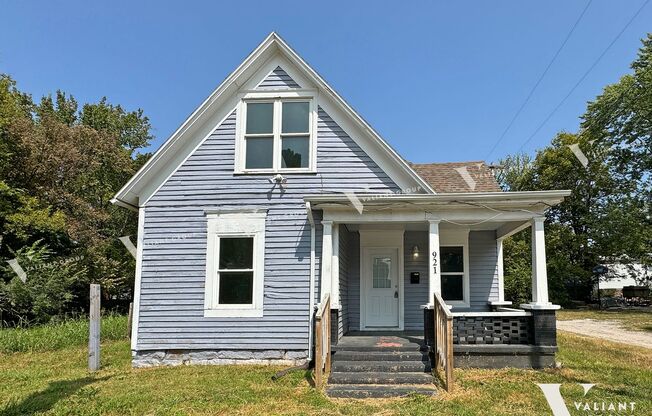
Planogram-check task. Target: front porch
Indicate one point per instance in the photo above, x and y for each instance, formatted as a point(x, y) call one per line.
point(382, 264)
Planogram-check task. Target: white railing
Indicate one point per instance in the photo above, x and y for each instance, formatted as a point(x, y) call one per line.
point(443, 345)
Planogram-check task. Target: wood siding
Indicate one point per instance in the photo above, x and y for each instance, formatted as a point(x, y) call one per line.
point(174, 257)
point(278, 78)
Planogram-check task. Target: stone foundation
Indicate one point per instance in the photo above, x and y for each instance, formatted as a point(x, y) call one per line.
point(142, 359)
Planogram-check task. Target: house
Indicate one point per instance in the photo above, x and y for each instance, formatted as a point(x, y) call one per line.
point(275, 194)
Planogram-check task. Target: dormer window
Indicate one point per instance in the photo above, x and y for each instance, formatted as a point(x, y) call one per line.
point(276, 135)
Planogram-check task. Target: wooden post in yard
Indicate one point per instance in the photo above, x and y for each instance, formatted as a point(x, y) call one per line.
point(94, 333)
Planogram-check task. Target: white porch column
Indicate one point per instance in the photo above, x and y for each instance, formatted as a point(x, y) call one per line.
point(539, 272)
point(500, 270)
point(434, 276)
point(326, 259)
point(335, 268)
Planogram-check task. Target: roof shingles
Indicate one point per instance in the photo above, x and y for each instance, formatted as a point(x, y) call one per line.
point(458, 176)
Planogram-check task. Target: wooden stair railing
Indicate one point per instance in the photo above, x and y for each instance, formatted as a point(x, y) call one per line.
point(323, 341)
point(443, 348)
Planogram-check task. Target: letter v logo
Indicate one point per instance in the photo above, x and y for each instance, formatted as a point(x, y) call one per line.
point(555, 401)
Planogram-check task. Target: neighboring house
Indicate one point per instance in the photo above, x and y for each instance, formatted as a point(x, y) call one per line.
point(275, 193)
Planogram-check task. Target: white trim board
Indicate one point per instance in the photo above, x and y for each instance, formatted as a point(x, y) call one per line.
point(205, 118)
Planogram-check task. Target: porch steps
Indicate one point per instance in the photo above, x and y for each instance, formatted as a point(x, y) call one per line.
point(380, 366)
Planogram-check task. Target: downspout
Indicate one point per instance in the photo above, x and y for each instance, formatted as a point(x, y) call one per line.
point(311, 302)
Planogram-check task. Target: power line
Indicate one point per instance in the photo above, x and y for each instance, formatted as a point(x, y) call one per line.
point(577, 84)
point(536, 85)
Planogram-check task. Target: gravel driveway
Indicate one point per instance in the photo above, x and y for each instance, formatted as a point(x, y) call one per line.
point(609, 330)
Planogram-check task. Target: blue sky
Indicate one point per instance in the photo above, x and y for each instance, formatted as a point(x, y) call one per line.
point(439, 80)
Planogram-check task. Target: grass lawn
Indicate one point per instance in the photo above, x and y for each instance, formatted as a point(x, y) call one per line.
point(56, 382)
point(635, 319)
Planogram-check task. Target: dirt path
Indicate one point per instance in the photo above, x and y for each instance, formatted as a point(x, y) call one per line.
point(609, 330)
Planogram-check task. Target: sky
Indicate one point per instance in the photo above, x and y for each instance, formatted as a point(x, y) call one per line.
point(440, 81)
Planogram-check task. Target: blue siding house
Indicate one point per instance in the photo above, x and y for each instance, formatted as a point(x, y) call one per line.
point(275, 194)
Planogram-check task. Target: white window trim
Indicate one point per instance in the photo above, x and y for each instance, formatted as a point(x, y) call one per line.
point(458, 238)
point(277, 97)
point(239, 224)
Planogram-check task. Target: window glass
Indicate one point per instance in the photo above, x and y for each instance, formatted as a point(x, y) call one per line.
point(295, 152)
point(236, 288)
point(236, 253)
point(381, 272)
point(452, 287)
point(260, 153)
point(295, 117)
point(452, 259)
point(260, 118)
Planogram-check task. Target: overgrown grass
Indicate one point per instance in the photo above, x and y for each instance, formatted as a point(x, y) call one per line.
point(57, 383)
point(52, 337)
point(638, 319)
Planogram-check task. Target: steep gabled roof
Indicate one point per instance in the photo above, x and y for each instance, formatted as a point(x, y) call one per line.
point(458, 176)
point(221, 102)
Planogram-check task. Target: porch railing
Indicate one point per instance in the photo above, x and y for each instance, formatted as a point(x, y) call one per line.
point(443, 345)
point(323, 341)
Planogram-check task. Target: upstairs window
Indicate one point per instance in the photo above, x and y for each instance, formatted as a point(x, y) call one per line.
point(277, 136)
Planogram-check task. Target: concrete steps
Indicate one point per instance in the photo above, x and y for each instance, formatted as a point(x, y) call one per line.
point(378, 367)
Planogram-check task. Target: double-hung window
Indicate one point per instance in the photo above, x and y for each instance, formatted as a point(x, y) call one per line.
point(276, 135)
point(452, 273)
point(234, 264)
point(454, 257)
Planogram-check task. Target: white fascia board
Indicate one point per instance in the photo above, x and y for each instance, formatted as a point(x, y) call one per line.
point(549, 197)
point(164, 158)
point(205, 118)
point(394, 165)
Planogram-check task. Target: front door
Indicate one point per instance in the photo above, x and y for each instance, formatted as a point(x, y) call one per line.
point(382, 288)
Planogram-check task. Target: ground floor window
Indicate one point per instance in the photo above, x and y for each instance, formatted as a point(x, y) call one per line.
point(453, 273)
point(235, 264)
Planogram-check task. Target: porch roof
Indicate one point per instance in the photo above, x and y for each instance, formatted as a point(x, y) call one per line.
point(545, 199)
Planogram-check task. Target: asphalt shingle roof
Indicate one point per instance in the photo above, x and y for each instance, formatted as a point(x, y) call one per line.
point(458, 176)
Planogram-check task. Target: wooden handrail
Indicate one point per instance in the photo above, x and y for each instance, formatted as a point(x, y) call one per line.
point(323, 341)
point(443, 348)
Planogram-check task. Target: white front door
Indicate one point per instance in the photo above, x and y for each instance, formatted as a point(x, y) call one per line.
point(382, 288)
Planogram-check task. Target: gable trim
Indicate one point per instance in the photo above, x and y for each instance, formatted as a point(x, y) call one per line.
point(201, 123)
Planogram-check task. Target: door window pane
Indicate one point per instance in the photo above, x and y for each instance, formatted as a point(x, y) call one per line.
point(260, 153)
point(452, 259)
point(236, 253)
point(236, 288)
point(381, 272)
point(452, 287)
point(295, 117)
point(295, 152)
point(260, 118)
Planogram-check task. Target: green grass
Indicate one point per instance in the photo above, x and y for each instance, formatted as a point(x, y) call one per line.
point(56, 336)
point(640, 320)
point(56, 382)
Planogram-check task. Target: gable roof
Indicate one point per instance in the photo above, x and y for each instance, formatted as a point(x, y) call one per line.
point(221, 102)
point(458, 176)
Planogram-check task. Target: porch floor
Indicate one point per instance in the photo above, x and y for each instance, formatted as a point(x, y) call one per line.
point(381, 340)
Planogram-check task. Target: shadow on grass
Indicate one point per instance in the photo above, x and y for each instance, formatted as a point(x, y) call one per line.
point(44, 400)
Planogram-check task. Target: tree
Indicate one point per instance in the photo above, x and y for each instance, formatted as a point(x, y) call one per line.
point(607, 168)
point(60, 167)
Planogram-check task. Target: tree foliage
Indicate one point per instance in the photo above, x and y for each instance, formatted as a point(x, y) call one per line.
point(606, 219)
point(59, 168)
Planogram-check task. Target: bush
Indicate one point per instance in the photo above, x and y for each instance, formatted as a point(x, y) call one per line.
point(55, 336)
point(49, 291)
